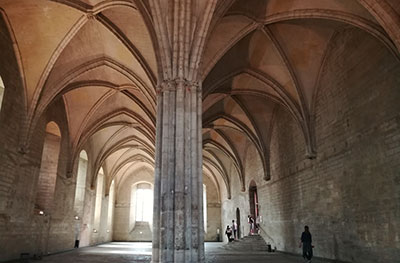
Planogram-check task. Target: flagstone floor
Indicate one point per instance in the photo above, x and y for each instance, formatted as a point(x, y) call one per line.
point(124, 252)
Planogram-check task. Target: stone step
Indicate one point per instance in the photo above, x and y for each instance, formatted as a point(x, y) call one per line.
point(248, 243)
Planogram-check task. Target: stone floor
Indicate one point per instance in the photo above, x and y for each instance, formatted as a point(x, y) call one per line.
point(123, 252)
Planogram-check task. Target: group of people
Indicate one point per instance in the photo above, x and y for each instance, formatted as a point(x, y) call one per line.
point(232, 232)
point(305, 239)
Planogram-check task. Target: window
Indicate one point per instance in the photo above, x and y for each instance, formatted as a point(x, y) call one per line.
point(110, 206)
point(1, 92)
point(81, 184)
point(205, 207)
point(48, 168)
point(144, 203)
point(99, 198)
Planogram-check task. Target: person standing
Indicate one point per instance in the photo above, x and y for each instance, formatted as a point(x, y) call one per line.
point(306, 242)
point(250, 220)
point(234, 229)
point(257, 225)
point(228, 233)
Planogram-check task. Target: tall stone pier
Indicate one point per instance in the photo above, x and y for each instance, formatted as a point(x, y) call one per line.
point(178, 228)
point(178, 208)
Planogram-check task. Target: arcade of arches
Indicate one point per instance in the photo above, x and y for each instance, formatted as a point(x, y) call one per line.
point(120, 117)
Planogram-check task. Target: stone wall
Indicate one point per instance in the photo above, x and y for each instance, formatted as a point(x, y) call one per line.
point(22, 230)
point(10, 128)
point(100, 233)
point(48, 172)
point(213, 210)
point(349, 194)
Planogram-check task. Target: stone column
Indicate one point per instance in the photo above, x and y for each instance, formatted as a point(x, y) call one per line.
point(180, 28)
point(178, 208)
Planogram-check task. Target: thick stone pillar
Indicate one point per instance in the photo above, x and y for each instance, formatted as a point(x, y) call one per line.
point(181, 28)
point(178, 206)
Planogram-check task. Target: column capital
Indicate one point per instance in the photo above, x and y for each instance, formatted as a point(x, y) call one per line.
point(174, 84)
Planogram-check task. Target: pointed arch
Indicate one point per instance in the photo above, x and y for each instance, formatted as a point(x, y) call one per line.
point(48, 169)
point(80, 188)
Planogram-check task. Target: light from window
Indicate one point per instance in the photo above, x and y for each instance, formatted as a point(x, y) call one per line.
point(110, 205)
point(144, 203)
point(205, 207)
point(99, 198)
point(81, 183)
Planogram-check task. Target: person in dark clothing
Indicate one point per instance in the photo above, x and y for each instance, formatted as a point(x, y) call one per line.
point(228, 233)
point(306, 241)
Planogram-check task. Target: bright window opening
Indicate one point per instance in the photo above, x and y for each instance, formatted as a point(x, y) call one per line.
point(205, 207)
point(144, 203)
point(81, 184)
point(111, 202)
point(99, 199)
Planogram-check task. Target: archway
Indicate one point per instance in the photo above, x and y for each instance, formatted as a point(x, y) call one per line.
point(99, 198)
point(111, 204)
point(48, 169)
point(141, 212)
point(253, 200)
point(80, 188)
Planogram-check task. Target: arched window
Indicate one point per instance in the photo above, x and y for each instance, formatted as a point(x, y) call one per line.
point(205, 207)
point(1, 92)
point(99, 199)
point(81, 184)
point(110, 206)
point(48, 168)
point(144, 203)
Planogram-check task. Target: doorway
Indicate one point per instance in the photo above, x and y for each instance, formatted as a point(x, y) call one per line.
point(253, 199)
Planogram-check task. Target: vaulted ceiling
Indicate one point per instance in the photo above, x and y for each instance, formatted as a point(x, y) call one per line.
point(262, 55)
point(99, 57)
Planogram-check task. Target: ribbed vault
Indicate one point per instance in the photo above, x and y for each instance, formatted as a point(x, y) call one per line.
point(103, 69)
point(266, 55)
point(101, 58)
